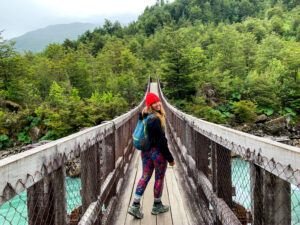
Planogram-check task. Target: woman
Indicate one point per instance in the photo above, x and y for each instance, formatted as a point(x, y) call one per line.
point(156, 157)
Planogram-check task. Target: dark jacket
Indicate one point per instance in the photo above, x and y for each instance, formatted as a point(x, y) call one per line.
point(157, 136)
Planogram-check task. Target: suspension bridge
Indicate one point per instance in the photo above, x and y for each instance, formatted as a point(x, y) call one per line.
point(221, 176)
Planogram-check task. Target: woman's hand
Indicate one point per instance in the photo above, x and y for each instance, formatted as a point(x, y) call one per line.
point(172, 163)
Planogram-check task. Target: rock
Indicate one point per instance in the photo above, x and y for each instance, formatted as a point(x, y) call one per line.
point(295, 129)
point(4, 154)
point(225, 125)
point(295, 136)
point(277, 125)
point(259, 133)
point(245, 128)
point(261, 118)
point(34, 133)
point(209, 90)
point(282, 139)
point(211, 94)
point(12, 106)
point(19, 148)
point(212, 102)
point(73, 168)
point(27, 147)
point(296, 143)
point(75, 215)
point(11, 151)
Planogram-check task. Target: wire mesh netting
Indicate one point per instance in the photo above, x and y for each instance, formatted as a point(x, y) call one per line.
point(272, 186)
point(73, 184)
point(15, 211)
point(240, 172)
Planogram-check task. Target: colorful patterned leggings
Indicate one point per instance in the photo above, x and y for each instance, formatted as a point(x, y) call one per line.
point(152, 159)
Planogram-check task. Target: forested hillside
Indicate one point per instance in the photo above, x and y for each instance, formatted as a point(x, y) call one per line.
point(35, 41)
point(224, 60)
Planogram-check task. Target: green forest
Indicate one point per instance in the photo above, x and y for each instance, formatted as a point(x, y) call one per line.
point(223, 60)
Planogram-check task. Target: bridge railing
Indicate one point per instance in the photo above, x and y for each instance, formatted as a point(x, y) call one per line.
point(34, 188)
point(235, 177)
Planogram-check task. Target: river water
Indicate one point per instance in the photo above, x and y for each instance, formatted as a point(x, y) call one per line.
point(15, 211)
point(241, 181)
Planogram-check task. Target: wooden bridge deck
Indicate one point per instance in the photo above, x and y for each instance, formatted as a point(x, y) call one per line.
point(172, 195)
point(177, 215)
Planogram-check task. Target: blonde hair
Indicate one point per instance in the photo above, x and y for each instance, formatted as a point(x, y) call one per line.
point(160, 115)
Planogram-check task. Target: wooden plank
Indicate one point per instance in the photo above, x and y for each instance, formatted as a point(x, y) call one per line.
point(130, 220)
point(154, 88)
point(187, 204)
point(178, 213)
point(127, 194)
point(165, 218)
point(149, 219)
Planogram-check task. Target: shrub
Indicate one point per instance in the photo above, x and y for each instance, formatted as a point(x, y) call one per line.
point(5, 141)
point(200, 109)
point(244, 111)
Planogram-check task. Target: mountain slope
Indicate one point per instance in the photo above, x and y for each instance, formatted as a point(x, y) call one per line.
point(37, 40)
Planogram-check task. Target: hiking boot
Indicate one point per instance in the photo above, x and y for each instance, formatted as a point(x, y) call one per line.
point(159, 209)
point(136, 212)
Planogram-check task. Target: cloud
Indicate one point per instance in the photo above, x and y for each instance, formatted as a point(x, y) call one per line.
point(18, 17)
point(92, 7)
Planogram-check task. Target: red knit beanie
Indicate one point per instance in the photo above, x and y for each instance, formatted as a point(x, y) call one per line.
point(151, 98)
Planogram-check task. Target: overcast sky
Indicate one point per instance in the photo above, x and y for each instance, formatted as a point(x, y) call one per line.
point(20, 16)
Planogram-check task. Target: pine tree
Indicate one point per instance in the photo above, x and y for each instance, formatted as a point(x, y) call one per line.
point(176, 66)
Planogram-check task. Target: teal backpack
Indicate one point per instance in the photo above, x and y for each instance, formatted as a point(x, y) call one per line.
point(140, 135)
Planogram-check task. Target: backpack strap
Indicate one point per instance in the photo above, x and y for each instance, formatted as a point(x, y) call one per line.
point(148, 117)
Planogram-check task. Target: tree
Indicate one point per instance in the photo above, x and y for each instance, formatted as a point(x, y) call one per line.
point(6, 53)
point(248, 47)
point(261, 90)
point(226, 53)
point(79, 72)
point(276, 11)
point(176, 66)
point(277, 25)
point(257, 27)
point(246, 9)
point(195, 13)
point(271, 48)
